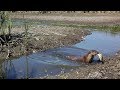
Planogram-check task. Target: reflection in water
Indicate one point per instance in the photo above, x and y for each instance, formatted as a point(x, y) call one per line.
point(27, 68)
point(8, 70)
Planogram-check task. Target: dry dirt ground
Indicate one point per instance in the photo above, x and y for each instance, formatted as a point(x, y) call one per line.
point(55, 36)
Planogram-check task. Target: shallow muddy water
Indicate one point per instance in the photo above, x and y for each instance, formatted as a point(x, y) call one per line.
point(53, 61)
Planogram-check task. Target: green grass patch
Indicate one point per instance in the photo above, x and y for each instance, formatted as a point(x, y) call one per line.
point(113, 28)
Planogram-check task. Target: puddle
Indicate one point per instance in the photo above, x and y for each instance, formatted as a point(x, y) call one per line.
point(53, 62)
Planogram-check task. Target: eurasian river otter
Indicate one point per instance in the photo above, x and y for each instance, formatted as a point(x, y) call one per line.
point(88, 58)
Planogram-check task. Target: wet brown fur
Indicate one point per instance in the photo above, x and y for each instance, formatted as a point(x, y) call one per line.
point(86, 58)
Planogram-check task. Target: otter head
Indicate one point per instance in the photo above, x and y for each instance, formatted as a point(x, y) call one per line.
point(94, 53)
